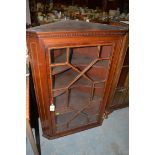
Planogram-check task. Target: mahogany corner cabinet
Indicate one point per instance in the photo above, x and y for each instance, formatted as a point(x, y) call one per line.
point(75, 68)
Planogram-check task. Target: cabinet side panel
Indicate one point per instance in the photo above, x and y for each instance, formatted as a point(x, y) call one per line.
point(120, 54)
point(44, 84)
point(39, 77)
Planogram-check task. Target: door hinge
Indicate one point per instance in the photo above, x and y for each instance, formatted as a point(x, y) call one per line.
point(105, 115)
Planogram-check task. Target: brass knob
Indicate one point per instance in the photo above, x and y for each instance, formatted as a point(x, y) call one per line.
point(57, 113)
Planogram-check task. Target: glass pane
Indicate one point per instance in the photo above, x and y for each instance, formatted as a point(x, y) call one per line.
point(106, 51)
point(58, 56)
point(78, 85)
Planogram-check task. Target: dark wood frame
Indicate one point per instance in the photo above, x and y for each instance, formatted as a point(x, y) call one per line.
point(38, 45)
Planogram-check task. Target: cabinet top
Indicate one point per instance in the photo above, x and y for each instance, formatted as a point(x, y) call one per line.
point(72, 25)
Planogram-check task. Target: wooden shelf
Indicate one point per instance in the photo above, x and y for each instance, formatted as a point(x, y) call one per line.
point(125, 66)
point(78, 60)
point(65, 78)
point(121, 89)
point(59, 69)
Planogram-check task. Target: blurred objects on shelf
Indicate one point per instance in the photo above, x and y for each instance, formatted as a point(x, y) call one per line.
point(47, 12)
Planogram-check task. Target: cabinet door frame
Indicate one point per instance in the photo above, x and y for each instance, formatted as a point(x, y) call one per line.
point(103, 104)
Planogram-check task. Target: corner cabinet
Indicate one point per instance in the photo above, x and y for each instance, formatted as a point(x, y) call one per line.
point(75, 68)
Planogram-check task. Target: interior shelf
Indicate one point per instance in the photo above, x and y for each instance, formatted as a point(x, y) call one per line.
point(83, 88)
point(121, 89)
point(59, 69)
point(78, 59)
point(65, 78)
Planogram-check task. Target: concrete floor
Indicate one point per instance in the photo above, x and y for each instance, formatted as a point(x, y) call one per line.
point(112, 138)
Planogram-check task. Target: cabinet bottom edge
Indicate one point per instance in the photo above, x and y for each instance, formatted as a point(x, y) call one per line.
point(72, 131)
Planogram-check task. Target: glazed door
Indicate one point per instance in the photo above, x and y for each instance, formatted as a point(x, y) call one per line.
point(77, 80)
point(121, 96)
